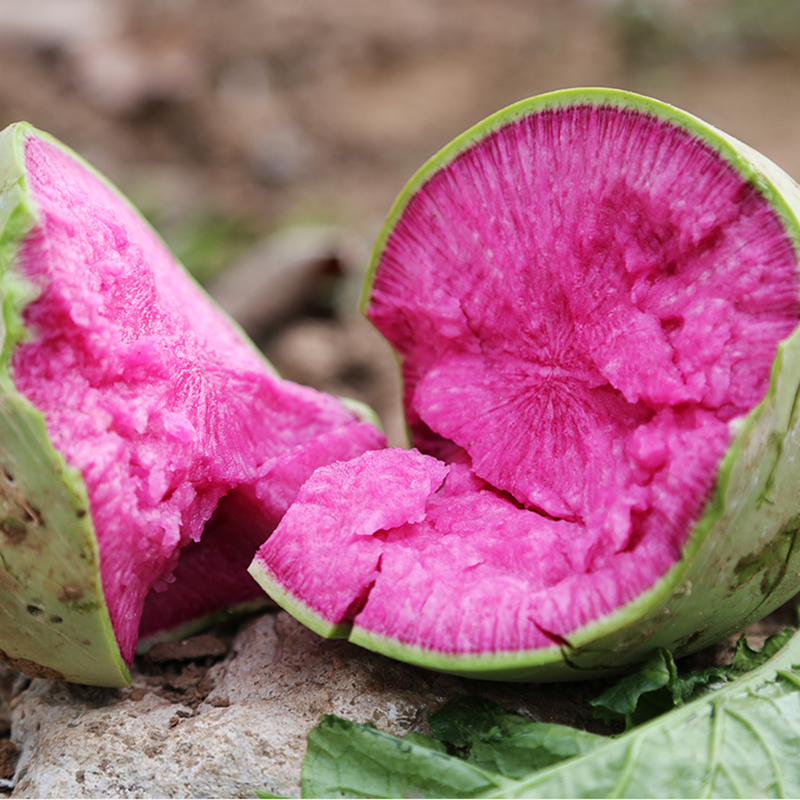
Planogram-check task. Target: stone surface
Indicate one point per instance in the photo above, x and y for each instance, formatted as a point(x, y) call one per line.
point(236, 718)
point(285, 274)
point(238, 725)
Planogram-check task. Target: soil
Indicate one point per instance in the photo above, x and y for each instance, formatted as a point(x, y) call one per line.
point(235, 123)
point(232, 121)
point(8, 750)
point(178, 671)
point(8, 759)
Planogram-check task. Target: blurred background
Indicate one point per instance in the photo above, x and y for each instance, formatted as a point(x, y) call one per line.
point(266, 139)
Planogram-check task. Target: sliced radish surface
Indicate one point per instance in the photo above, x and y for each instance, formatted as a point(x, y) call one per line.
point(172, 418)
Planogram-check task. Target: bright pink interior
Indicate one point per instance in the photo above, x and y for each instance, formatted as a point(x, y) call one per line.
point(582, 302)
point(172, 418)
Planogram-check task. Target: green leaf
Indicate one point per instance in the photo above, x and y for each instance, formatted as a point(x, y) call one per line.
point(625, 698)
point(349, 760)
point(692, 686)
point(657, 687)
point(464, 720)
point(493, 739)
point(425, 741)
point(746, 658)
point(741, 740)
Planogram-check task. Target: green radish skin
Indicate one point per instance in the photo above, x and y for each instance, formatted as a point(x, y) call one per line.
point(54, 621)
point(740, 559)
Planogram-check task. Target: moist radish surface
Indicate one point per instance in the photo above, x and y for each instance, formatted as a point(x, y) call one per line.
point(586, 301)
point(573, 291)
point(171, 417)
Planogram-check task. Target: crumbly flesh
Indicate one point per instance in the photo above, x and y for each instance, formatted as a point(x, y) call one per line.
point(584, 303)
point(171, 417)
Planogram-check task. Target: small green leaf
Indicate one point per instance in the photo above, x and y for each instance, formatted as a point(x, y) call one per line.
point(464, 720)
point(622, 701)
point(657, 687)
point(746, 658)
point(486, 735)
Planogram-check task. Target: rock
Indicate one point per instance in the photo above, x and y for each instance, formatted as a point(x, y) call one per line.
point(240, 724)
point(289, 271)
point(64, 24)
point(121, 75)
point(8, 750)
point(281, 156)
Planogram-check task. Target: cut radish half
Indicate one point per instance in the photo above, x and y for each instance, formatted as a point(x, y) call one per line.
point(146, 447)
point(594, 300)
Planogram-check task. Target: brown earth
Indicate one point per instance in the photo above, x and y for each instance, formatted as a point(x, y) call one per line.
point(229, 121)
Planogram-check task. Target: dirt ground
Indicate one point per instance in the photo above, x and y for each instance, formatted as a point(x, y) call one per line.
point(273, 135)
point(230, 121)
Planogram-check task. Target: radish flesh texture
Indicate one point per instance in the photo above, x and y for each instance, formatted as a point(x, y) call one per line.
point(587, 298)
point(189, 445)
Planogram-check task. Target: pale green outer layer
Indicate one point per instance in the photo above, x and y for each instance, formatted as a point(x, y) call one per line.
point(53, 617)
point(742, 557)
